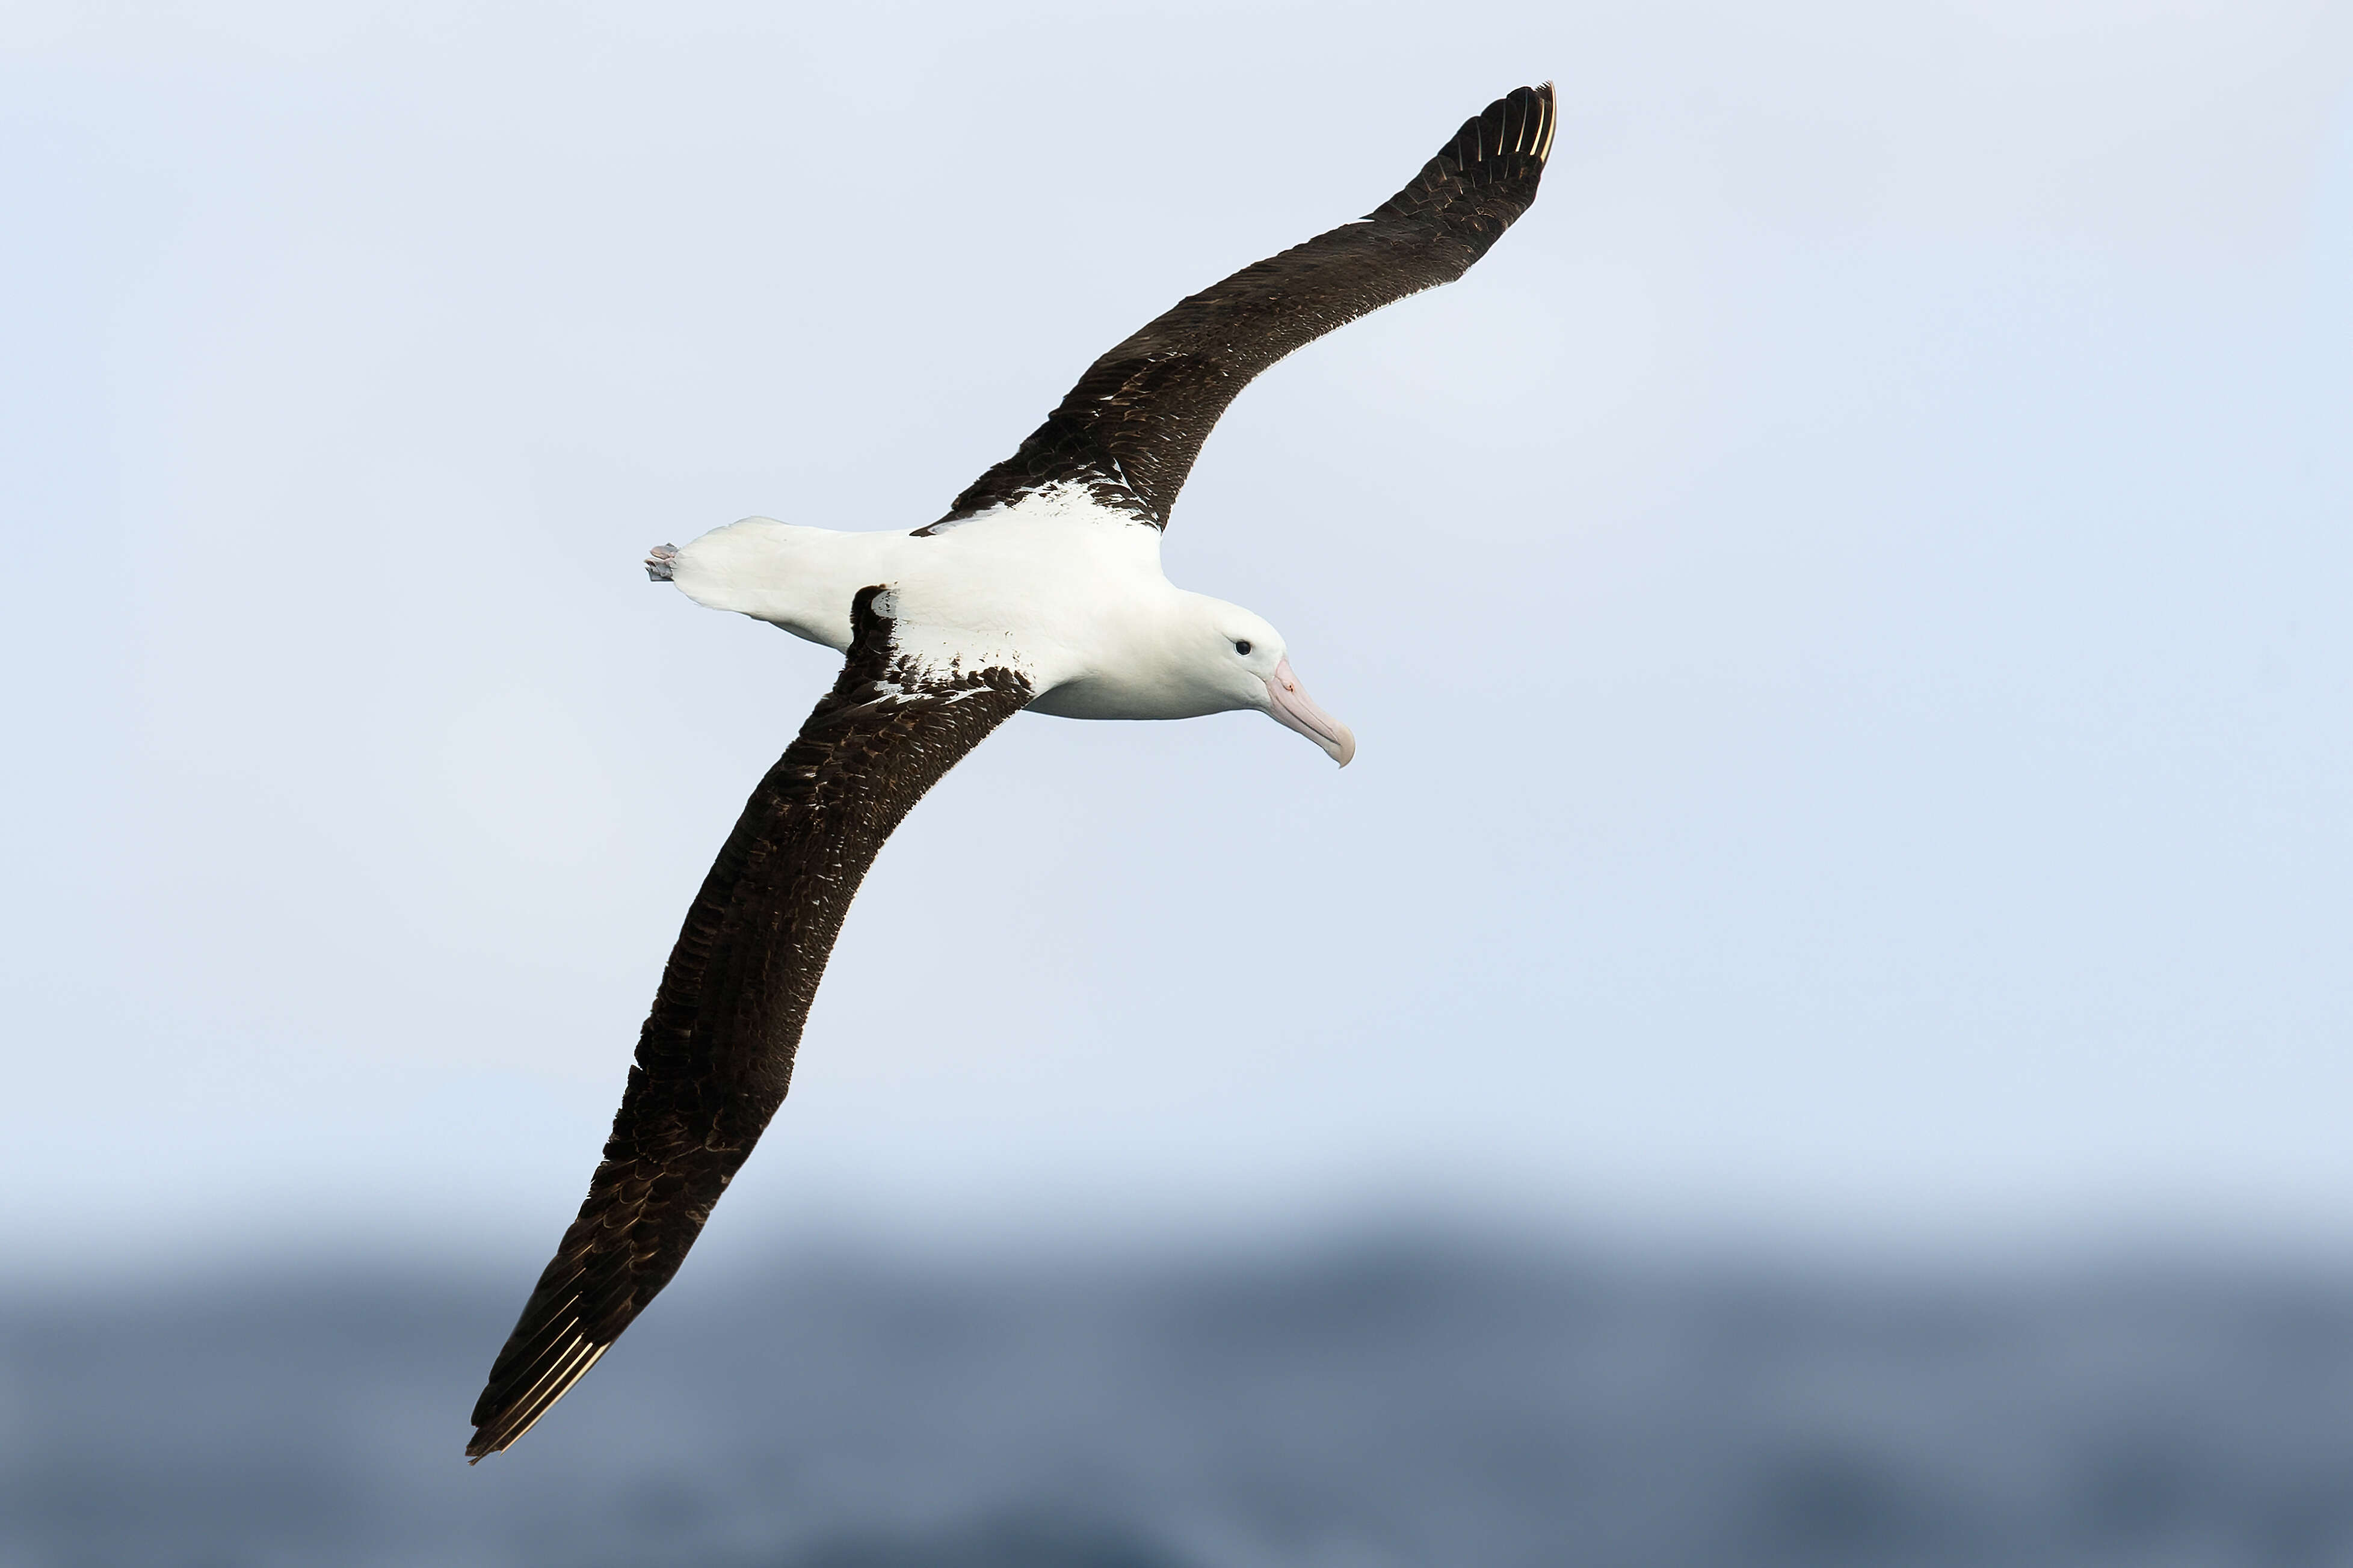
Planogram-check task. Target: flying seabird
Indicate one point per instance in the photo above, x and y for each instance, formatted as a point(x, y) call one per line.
point(1040, 589)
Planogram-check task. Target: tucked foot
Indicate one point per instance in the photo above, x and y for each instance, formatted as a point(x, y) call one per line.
point(658, 562)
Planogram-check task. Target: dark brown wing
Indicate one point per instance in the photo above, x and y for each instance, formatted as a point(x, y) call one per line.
point(716, 1053)
point(1132, 426)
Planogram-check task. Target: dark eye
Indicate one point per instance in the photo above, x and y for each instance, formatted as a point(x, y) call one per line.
point(1242, 647)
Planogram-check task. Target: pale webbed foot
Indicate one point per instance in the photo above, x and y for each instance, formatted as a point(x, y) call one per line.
point(658, 562)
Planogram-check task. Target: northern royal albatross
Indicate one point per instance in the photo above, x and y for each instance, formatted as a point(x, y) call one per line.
point(1040, 589)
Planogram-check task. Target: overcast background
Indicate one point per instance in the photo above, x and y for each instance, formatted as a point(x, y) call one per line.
point(1844, 610)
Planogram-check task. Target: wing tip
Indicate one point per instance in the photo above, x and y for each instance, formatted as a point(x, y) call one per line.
point(1520, 123)
point(500, 1428)
point(1506, 145)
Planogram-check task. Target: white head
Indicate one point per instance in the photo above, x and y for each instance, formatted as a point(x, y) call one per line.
point(1235, 659)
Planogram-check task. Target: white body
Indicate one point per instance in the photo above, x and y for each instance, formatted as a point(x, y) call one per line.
point(1069, 593)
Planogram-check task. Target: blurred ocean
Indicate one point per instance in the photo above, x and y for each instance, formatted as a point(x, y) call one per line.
point(1406, 1400)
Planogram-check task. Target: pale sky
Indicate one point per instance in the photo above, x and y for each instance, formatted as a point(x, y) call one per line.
point(1844, 611)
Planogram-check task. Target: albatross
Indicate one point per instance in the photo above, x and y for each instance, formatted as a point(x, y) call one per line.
point(1040, 589)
